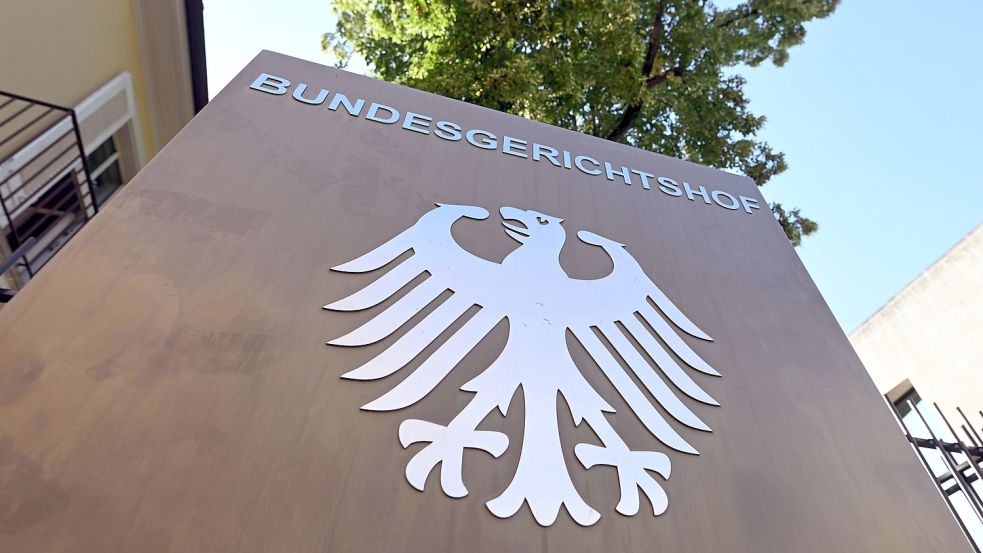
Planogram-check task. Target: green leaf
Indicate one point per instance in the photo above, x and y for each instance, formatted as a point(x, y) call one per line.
point(580, 64)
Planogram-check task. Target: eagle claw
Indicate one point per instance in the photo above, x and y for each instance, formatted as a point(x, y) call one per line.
point(446, 447)
point(632, 474)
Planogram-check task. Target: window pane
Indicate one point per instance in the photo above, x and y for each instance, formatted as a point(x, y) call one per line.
point(107, 183)
point(101, 154)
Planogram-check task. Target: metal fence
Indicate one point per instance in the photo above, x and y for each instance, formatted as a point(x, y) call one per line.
point(954, 464)
point(46, 190)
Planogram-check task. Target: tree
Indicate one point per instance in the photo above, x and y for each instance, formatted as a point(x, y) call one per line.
point(661, 75)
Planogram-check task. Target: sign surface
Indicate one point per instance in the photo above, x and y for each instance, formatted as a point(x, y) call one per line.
point(537, 340)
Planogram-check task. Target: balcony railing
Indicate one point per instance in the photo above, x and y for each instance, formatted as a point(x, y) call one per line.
point(46, 189)
point(954, 464)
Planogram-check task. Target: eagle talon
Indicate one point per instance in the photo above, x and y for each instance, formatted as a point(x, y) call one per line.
point(447, 444)
point(632, 474)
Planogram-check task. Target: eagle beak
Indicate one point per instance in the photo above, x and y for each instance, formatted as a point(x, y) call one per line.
point(516, 215)
point(516, 233)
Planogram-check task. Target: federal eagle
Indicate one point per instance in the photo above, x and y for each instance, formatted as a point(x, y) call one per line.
point(541, 303)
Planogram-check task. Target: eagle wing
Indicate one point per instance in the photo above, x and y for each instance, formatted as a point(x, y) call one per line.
point(450, 267)
point(637, 319)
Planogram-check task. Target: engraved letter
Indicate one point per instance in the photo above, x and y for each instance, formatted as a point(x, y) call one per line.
point(690, 193)
point(624, 172)
point(373, 114)
point(669, 186)
point(749, 203)
point(488, 144)
point(417, 119)
point(579, 162)
point(341, 99)
point(279, 85)
point(514, 146)
point(731, 202)
point(538, 150)
point(645, 178)
point(448, 131)
point(299, 95)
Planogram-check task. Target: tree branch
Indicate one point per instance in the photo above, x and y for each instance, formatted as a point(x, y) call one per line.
point(633, 111)
point(753, 12)
point(627, 120)
point(661, 77)
point(655, 42)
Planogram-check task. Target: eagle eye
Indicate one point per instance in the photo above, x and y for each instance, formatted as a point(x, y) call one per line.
point(542, 220)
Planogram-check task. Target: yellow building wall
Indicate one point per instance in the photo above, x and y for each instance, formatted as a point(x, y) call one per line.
point(60, 51)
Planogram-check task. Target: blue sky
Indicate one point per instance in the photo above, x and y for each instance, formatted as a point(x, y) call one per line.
point(878, 114)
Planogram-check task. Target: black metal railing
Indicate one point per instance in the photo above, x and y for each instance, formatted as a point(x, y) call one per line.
point(46, 190)
point(957, 463)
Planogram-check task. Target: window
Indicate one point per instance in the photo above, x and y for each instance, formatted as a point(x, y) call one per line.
point(106, 175)
point(911, 417)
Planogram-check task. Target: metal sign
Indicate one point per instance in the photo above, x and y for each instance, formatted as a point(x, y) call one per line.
point(527, 310)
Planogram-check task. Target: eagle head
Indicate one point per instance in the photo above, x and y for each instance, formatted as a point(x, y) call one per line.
point(536, 228)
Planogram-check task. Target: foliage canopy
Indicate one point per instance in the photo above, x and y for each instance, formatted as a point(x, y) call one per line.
point(659, 75)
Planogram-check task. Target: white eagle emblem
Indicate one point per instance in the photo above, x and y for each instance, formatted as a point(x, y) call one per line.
point(541, 303)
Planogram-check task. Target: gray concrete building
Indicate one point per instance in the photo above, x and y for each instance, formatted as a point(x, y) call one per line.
point(925, 346)
point(929, 337)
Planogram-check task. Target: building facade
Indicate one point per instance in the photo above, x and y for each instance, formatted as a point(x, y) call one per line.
point(924, 353)
point(89, 92)
point(927, 338)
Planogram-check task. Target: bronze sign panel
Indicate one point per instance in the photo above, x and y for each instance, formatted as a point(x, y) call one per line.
point(165, 384)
